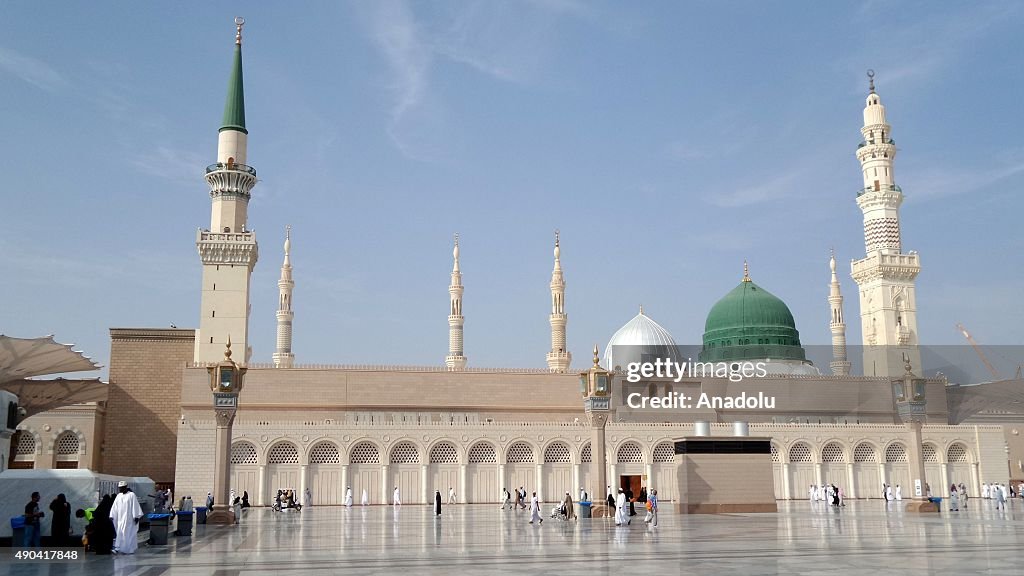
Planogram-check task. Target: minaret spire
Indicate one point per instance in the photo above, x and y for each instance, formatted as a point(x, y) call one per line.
point(885, 276)
point(840, 365)
point(228, 248)
point(559, 357)
point(455, 359)
point(283, 357)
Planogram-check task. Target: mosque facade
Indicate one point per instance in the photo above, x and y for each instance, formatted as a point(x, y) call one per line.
point(482, 430)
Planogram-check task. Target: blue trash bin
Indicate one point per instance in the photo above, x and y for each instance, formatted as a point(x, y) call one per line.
point(17, 531)
point(585, 509)
point(159, 524)
point(200, 514)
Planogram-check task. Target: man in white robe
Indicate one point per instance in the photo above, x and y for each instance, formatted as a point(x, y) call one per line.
point(348, 496)
point(811, 493)
point(999, 493)
point(899, 493)
point(396, 498)
point(583, 494)
point(125, 514)
point(888, 493)
point(984, 491)
point(535, 509)
point(366, 500)
point(451, 495)
point(621, 509)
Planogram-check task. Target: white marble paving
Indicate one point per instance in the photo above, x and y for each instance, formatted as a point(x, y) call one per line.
point(865, 536)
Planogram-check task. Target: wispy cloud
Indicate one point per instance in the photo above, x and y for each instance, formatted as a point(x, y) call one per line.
point(938, 183)
point(772, 190)
point(181, 166)
point(31, 70)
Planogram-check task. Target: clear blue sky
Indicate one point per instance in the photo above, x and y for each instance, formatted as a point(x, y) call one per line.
point(668, 143)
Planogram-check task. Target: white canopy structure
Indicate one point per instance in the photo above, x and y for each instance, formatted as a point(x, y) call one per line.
point(23, 358)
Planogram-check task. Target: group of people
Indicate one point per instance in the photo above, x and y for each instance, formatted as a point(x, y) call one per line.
point(284, 500)
point(891, 494)
point(827, 493)
point(997, 492)
point(111, 527)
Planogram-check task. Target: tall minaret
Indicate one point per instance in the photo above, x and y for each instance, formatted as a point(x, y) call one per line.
point(283, 357)
point(885, 276)
point(228, 250)
point(558, 358)
point(455, 360)
point(840, 365)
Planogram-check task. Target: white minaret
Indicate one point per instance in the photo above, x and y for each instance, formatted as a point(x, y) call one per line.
point(559, 357)
point(228, 250)
point(840, 365)
point(455, 360)
point(283, 357)
point(885, 276)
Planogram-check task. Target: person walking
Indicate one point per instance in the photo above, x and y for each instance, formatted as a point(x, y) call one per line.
point(621, 512)
point(535, 509)
point(126, 514)
point(954, 499)
point(652, 508)
point(451, 495)
point(506, 499)
point(32, 515)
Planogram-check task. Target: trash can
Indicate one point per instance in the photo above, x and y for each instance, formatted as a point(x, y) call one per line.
point(200, 514)
point(585, 510)
point(184, 524)
point(159, 524)
point(17, 531)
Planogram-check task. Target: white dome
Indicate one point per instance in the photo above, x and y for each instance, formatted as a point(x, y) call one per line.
point(643, 335)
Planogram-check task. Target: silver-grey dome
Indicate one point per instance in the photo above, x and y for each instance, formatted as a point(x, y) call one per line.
point(640, 334)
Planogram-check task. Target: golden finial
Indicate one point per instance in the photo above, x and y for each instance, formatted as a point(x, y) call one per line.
point(227, 350)
point(746, 271)
point(871, 80)
point(641, 309)
point(239, 22)
point(597, 359)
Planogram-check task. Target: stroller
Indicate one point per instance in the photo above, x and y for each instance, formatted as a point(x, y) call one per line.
point(558, 511)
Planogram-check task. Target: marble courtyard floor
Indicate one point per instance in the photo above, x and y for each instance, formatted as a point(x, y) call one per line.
point(863, 537)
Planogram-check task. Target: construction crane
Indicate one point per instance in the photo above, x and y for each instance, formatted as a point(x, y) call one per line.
point(992, 369)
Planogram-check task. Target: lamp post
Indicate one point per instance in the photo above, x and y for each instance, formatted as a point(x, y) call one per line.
point(226, 383)
point(909, 393)
point(595, 386)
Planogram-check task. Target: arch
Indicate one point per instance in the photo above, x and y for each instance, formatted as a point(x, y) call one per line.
point(865, 452)
point(776, 455)
point(663, 452)
point(520, 452)
point(444, 452)
point(283, 452)
point(324, 452)
point(586, 454)
point(404, 452)
point(26, 444)
point(482, 452)
point(833, 452)
point(66, 444)
point(895, 452)
point(364, 453)
point(61, 433)
point(629, 452)
point(557, 452)
point(244, 452)
point(929, 452)
point(957, 453)
point(800, 452)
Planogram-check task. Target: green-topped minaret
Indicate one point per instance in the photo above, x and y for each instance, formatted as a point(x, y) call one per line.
point(234, 108)
point(228, 248)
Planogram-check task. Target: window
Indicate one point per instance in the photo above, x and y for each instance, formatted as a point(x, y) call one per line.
point(776, 458)
point(557, 452)
point(630, 452)
point(957, 453)
point(832, 452)
point(444, 453)
point(26, 444)
point(664, 452)
point(864, 452)
point(929, 454)
point(364, 453)
point(520, 452)
point(243, 453)
point(800, 452)
point(405, 453)
point(586, 456)
point(325, 453)
point(283, 453)
point(482, 453)
point(895, 452)
point(66, 444)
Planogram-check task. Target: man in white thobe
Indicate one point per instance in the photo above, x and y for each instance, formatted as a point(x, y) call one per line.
point(583, 494)
point(984, 491)
point(888, 493)
point(348, 496)
point(535, 509)
point(396, 498)
point(451, 495)
point(621, 509)
point(899, 492)
point(366, 499)
point(999, 493)
point(125, 514)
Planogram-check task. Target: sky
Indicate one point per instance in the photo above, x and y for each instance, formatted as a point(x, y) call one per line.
point(667, 141)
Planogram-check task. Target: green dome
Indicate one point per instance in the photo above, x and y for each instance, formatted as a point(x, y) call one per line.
point(749, 323)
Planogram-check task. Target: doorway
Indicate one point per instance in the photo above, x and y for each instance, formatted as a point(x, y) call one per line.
point(631, 485)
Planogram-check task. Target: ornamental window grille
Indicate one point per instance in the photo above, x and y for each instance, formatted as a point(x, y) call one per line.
point(776, 457)
point(664, 452)
point(832, 452)
point(928, 453)
point(66, 444)
point(26, 444)
point(557, 452)
point(243, 453)
point(364, 453)
point(864, 452)
point(800, 452)
point(325, 453)
point(283, 453)
point(586, 455)
point(895, 452)
point(519, 452)
point(957, 453)
point(630, 452)
point(405, 453)
point(482, 453)
point(444, 453)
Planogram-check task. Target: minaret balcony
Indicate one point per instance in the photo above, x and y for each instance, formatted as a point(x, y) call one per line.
point(886, 188)
point(231, 166)
point(873, 142)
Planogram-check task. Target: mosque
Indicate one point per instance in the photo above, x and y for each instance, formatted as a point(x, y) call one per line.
point(371, 428)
